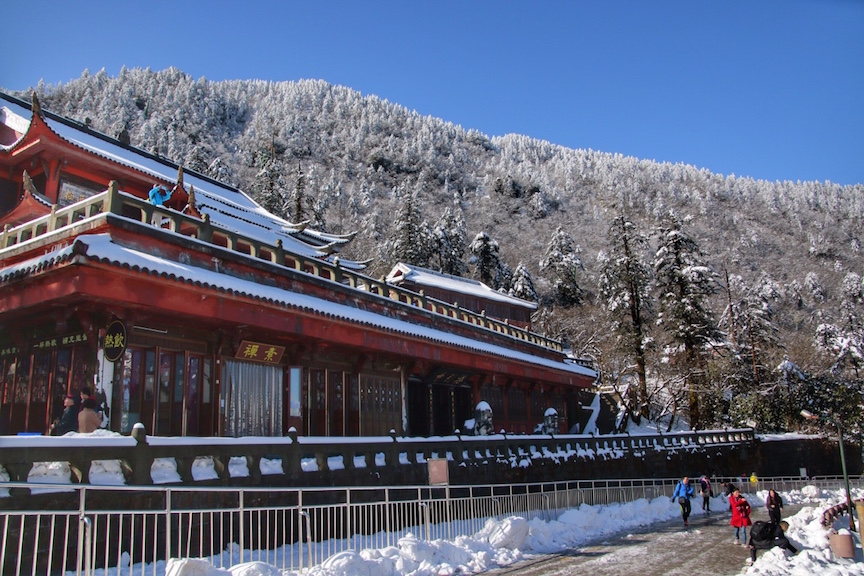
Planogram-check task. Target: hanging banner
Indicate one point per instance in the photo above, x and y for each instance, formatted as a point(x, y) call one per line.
point(115, 341)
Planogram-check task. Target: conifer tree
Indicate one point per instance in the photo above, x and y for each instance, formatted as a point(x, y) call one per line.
point(298, 197)
point(684, 285)
point(522, 286)
point(624, 287)
point(411, 240)
point(562, 261)
point(449, 239)
point(269, 185)
point(484, 257)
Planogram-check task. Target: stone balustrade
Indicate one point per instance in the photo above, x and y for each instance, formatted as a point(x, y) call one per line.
point(313, 460)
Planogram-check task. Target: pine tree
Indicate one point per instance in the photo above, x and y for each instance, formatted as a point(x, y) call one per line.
point(624, 287)
point(684, 286)
point(562, 261)
point(449, 239)
point(299, 212)
point(484, 257)
point(219, 170)
point(411, 240)
point(757, 335)
point(269, 185)
point(522, 284)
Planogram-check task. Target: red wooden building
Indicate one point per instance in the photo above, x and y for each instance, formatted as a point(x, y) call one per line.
point(210, 316)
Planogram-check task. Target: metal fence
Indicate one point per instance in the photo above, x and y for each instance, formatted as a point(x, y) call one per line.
point(110, 529)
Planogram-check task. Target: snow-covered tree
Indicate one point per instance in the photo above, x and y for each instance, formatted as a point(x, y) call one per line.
point(625, 289)
point(522, 286)
point(448, 236)
point(270, 184)
point(485, 258)
point(410, 241)
point(562, 262)
point(684, 284)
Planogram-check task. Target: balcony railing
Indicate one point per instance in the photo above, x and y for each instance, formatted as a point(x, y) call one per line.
point(114, 201)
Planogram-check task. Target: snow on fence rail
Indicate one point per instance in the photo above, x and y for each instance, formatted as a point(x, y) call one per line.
point(141, 460)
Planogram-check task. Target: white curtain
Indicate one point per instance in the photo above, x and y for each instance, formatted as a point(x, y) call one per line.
point(253, 399)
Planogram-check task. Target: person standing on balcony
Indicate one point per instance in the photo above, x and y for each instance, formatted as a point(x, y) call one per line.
point(683, 493)
point(159, 195)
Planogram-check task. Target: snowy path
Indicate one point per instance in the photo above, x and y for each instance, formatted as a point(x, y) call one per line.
point(666, 548)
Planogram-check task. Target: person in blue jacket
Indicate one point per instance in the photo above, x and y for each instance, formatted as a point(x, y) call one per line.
point(683, 493)
point(159, 195)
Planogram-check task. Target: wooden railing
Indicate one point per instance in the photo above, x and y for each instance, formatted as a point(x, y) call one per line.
point(114, 201)
point(301, 456)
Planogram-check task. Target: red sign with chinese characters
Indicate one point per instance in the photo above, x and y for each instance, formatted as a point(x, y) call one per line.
point(259, 352)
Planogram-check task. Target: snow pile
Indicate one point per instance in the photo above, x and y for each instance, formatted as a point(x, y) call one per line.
point(503, 542)
point(811, 539)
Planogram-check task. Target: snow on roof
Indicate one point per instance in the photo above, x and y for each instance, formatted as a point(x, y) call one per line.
point(228, 208)
point(425, 277)
point(13, 120)
point(101, 247)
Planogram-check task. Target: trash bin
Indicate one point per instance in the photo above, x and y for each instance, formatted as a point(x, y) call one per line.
point(842, 544)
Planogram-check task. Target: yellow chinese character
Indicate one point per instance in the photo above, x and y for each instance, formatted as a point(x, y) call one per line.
point(118, 341)
point(269, 354)
point(251, 351)
point(109, 341)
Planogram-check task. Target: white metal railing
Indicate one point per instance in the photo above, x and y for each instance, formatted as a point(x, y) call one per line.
point(291, 528)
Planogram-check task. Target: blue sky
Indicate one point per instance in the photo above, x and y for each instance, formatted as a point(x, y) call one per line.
point(768, 89)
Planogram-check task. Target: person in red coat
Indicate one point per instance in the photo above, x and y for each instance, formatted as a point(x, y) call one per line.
point(740, 515)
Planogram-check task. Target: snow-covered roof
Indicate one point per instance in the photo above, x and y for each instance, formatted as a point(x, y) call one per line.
point(227, 207)
point(425, 277)
point(100, 247)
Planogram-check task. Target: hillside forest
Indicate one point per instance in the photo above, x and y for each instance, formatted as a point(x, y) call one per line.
point(712, 300)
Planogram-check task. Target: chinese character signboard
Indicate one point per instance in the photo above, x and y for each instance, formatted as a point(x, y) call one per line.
point(259, 352)
point(115, 341)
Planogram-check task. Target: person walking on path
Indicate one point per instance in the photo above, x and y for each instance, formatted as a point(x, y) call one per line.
point(767, 535)
point(706, 492)
point(740, 516)
point(683, 493)
point(774, 503)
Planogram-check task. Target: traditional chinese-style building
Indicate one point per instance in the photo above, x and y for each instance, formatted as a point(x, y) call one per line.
point(210, 316)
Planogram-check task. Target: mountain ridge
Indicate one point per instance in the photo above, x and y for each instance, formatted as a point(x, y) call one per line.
point(358, 158)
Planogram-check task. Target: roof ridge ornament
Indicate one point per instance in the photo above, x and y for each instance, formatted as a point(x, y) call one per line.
point(35, 106)
point(29, 186)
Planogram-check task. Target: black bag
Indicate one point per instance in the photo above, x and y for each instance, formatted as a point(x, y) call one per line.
point(682, 500)
point(762, 531)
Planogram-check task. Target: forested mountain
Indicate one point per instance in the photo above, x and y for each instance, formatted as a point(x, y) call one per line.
point(719, 298)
